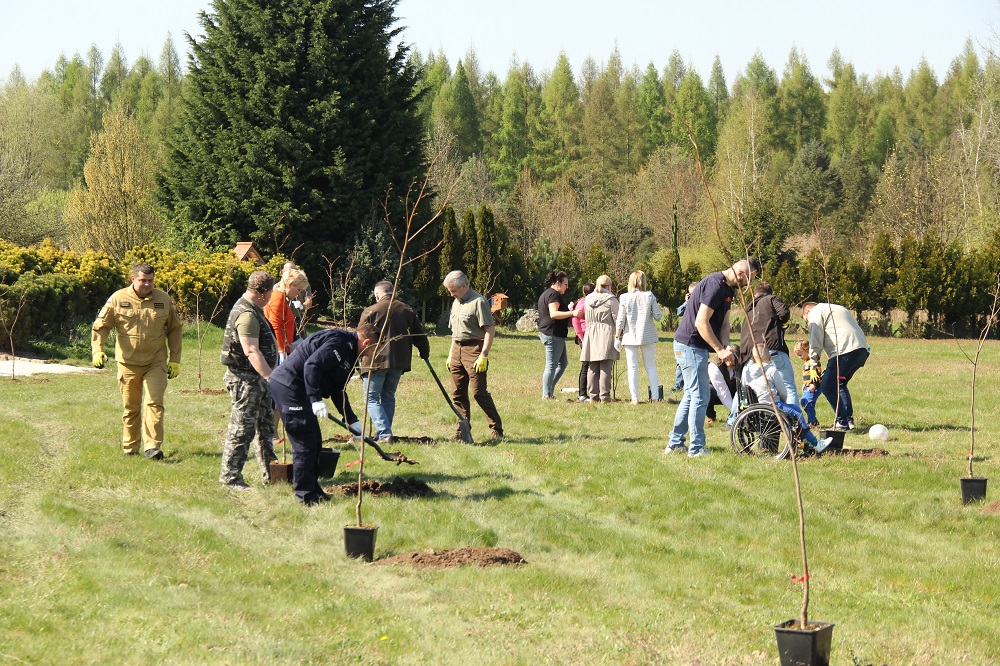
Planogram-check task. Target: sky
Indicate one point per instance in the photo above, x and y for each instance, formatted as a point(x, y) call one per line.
point(875, 35)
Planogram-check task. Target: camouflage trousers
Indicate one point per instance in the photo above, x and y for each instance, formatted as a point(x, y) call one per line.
point(251, 422)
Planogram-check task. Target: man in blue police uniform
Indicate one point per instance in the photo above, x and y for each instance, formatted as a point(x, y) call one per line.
point(318, 368)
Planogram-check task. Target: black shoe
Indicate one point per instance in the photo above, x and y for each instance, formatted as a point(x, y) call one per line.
point(153, 454)
point(319, 498)
point(238, 485)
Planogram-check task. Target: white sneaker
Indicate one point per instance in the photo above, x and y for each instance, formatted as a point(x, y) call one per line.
point(822, 444)
point(699, 453)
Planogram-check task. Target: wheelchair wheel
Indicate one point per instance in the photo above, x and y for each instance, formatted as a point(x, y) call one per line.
point(758, 432)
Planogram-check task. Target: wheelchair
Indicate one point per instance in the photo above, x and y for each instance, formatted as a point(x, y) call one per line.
point(758, 431)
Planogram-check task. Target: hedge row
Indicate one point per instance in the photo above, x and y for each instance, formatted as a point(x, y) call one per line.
point(47, 291)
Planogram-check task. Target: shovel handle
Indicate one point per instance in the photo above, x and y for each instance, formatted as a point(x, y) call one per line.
point(396, 457)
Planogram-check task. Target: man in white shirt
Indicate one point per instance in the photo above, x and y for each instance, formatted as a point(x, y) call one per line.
point(834, 330)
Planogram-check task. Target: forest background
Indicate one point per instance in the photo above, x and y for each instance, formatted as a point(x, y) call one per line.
point(884, 187)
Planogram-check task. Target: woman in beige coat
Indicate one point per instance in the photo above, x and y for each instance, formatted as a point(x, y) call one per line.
point(600, 348)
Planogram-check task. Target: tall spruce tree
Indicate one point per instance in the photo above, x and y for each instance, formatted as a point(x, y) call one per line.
point(297, 119)
point(470, 248)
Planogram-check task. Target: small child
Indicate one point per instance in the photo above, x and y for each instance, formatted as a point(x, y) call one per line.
point(759, 375)
point(812, 372)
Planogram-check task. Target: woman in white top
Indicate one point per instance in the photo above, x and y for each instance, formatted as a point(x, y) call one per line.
point(638, 313)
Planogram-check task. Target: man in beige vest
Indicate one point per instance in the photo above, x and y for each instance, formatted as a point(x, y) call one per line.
point(146, 325)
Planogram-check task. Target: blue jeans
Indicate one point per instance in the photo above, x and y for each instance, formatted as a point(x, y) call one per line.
point(555, 363)
point(678, 379)
point(690, 416)
point(808, 402)
point(786, 374)
point(380, 387)
point(839, 371)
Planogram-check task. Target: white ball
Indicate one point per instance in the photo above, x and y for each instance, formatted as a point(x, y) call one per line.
point(878, 433)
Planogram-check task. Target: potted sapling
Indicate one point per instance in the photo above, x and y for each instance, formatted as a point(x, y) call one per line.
point(801, 641)
point(974, 487)
point(359, 538)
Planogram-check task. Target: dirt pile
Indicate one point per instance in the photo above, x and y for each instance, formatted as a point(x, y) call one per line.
point(398, 487)
point(857, 453)
point(456, 557)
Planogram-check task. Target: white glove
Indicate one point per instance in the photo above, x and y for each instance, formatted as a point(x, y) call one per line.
point(281, 357)
point(618, 345)
point(320, 410)
point(355, 428)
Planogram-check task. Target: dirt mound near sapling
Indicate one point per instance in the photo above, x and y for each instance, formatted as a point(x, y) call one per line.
point(398, 487)
point(456, 557)
point(201, 391)
point(857, 453)
point(993, 509)
point(403, 439)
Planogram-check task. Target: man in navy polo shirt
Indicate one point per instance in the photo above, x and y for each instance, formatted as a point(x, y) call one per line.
point(704, 329)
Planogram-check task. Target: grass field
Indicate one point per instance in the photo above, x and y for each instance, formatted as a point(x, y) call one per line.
point(633, 557)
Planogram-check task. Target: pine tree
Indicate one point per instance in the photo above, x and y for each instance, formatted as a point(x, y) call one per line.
point(470, 248)
point(487, 257)
point(455, 109)
point(450, 256)
point(292, 128)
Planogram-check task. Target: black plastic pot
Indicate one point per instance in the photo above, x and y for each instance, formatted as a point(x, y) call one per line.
point(973, 489)
point(327, 463)
point(804, 647)
point(838, 439)
point(359, 541)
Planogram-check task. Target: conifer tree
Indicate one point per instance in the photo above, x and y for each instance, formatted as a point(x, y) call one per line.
point(470, 248)
point(293, 128)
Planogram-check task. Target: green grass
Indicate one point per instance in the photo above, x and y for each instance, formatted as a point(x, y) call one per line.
point(634, 557)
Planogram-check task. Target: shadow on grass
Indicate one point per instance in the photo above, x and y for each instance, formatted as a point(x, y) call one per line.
point(500, 494)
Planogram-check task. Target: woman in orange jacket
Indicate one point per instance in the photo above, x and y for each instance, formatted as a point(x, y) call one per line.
point(279, 312)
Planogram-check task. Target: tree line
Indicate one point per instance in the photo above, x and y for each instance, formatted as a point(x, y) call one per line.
point(302, 133)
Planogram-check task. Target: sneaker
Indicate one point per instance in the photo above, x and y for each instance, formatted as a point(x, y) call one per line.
point(153, 454)
point(582, 398)
point(674, 449)
point(699, 453)
point(238, 486)
point(387, 440)
point(850, 424)
point(821, 445)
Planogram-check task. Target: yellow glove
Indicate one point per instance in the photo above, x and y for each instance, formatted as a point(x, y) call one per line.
point(99, 359)
point(481, 365)
point(173, 369)
point(447, 363)
point(813, 373)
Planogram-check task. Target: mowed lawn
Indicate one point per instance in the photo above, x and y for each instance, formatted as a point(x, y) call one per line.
point(633, 557)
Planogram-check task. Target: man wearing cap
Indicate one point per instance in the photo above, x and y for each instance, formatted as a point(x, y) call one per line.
point(146, 326)
point(472, 332)
point(249, 352)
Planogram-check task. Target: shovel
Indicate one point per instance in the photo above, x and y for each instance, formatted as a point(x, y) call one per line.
point(464, 429)
point(396, 457)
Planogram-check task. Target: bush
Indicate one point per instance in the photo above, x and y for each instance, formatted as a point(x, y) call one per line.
point(48, 304)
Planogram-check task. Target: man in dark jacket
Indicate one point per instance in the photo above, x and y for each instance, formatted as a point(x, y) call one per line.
point(397, 326)
point(319, 367)
point(767, 317)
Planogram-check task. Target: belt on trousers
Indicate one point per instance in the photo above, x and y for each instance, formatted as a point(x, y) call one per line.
point(465, 343)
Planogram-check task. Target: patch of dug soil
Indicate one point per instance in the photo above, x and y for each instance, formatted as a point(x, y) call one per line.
point(859, 453)
point(455, 557)
point(201, 392)
point(398, 487)
point(993, 509)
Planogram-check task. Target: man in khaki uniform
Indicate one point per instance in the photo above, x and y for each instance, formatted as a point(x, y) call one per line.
point(472, 332)
point(146, 324)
